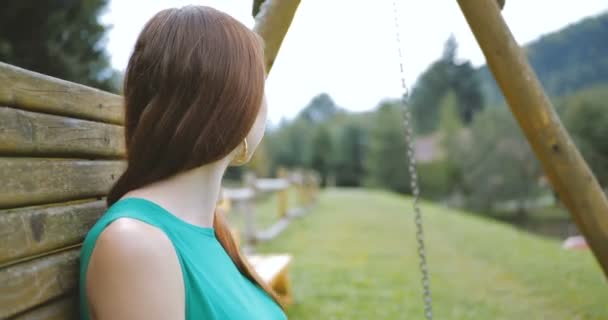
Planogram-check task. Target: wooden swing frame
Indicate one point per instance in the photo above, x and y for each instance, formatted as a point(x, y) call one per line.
point(563, 164)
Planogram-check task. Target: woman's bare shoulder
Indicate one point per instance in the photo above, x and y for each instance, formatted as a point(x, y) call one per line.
point(134, 273)
point(128, 237)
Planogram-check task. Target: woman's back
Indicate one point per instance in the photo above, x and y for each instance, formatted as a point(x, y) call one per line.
point(213, 286)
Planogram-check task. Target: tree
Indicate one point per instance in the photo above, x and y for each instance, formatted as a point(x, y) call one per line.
point(586, 117)
point(442, 177)
point(302, 142)
point(449, 120)
point(582, 61)
point(63, 39)
point(386, 161)
point(498, 163)
point(450, 49)
point(465, 83)
point(290, 145)
point(320, 109)
point(321, 160)
point(350, 166)
point(426, 94)
point(452, 133)
point(443, 76)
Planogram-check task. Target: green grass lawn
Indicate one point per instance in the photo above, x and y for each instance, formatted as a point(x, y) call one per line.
point(355, 258)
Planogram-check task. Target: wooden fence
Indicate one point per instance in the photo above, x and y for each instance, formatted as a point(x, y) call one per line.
point(306, 185)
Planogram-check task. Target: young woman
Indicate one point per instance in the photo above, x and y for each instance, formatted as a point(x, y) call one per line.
point(194, 103)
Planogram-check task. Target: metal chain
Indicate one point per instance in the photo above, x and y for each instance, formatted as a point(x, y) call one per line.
point(409, 136)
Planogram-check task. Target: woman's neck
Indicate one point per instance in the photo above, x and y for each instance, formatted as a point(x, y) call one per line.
point(191, 196)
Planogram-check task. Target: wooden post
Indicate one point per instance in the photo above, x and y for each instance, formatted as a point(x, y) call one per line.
point(249, 209)
point(569, 174)
point(271, 23)
point(282, 195)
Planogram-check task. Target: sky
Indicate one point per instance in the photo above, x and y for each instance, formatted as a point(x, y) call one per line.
point(347, 48)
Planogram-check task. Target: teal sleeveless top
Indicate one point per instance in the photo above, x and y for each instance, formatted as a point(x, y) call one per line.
point(215, 289)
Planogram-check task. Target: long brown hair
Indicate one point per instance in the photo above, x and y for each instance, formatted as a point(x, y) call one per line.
point(193, 89)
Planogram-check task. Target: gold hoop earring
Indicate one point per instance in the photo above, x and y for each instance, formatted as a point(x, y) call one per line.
point(244, 153)
point(242, 159)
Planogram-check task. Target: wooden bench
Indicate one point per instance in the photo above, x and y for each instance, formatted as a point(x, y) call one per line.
point(274, 270)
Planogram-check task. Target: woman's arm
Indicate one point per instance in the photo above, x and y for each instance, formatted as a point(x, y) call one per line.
point(134, 274)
